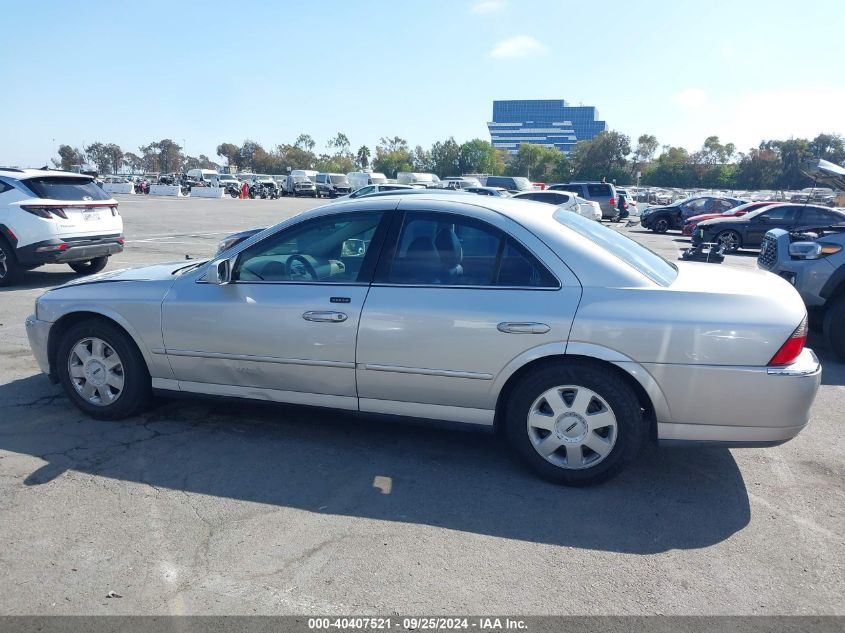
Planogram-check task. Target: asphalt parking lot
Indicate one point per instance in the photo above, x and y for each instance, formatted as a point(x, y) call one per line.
point(203, 507)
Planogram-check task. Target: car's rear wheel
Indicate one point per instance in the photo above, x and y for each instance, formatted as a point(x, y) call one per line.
point(729, 241)
point(10, 270)
point(102, 371)
point(834, 327)
point(661, 225)
point(574, 423)
point(91, 266)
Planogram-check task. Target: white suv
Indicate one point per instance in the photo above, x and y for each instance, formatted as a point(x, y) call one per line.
point(55, 217)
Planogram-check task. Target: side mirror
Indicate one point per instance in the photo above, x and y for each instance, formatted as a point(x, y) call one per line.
point(220, 272)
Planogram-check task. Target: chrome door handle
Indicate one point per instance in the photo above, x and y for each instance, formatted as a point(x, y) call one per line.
point(522, 328)
point(326, 316)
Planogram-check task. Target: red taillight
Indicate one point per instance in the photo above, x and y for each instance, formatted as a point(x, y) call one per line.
point(612, 202)
point(51, 247)
point(624, 204)
point(45, 212)
point(121, 241)
point(793, 346)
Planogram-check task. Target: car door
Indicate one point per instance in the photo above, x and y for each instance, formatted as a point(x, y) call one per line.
point(285, 327)
point(776, 217)
point(460, 293)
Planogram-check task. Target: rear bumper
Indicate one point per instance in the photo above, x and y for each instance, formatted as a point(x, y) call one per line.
point(58, 251)
point(737, 406)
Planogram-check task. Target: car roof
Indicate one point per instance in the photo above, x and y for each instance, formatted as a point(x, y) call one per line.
point(23, 174)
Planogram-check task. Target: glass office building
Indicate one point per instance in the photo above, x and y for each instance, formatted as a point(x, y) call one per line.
point(549, 122)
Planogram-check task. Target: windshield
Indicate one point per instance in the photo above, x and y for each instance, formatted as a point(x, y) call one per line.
point(632, 253)
point(523, 184)
point(301, 179)
point(64, 188)
point(339, 180)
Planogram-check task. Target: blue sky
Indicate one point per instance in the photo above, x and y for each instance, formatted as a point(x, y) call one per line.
point(207, 72)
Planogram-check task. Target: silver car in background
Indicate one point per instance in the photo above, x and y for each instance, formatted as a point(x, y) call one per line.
point(575, 342)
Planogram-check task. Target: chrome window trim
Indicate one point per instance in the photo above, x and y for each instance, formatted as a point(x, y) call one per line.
point(385, 284)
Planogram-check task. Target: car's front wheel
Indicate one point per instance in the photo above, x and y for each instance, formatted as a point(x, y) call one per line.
point(91, 266)
point(10, 269)
point(834, 327)
point(574, 423)
point(729, 241)
point(102, 370)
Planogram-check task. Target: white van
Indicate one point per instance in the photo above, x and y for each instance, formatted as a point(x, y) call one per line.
point(414, 178)
point(209, 176)
point(311, 174)
point(358, 179)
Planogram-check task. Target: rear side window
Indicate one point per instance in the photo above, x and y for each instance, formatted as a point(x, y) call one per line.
point(448, 250)
point(64, 188)
point(599, 190)
point(572, 188)
point(4, 187)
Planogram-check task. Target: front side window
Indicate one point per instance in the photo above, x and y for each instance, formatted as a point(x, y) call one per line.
point(778, 214)
point(695, 206)
point(326, 250)
point(450, 250)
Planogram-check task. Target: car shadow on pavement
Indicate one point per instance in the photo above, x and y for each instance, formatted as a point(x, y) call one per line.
point(343, 464)
point(833, 369)
point(34, 279)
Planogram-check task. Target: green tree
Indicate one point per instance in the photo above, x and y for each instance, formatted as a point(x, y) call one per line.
point(134, 162)
point(539, 163)
point(393, 156)
point(422, 160)
point(164, 156)
point(98, 156)
point(115, 155)
point(479, 157)
point(362, 157)
point(304, 141)
point(829, 147)
point(646, 149)
point(230, 152)
point(69, 157)
point(671, 169)
point(602, 156)
point(446, 158)
point(760, 168)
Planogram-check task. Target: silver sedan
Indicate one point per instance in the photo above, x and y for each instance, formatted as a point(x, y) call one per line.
point(575, 342)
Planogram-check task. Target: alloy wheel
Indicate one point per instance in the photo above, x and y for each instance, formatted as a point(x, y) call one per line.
point(572, 427)
point(96, 371)
point(4, 266)
point(729, 240)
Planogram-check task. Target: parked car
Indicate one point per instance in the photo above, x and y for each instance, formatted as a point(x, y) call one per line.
point(747, 231)
point(463, 182)
point(513, 184)
point(333, 185)
point(208, 176)
point(736, 212)
point(416, 178)
point(231, 184)
point(299, 185)
point(55, 217)
point(499, 192)
point(672, 217)
point(358, 179)
point(454, 307)
point(371, 189)
point(563, 200)
point(594, 208)
point(602, 192)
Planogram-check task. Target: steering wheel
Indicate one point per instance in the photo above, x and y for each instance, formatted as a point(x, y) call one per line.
point(304, 266)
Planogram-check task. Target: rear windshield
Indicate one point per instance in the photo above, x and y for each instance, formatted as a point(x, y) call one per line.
point(632, 253)
point(523, 184)
point(64, 188)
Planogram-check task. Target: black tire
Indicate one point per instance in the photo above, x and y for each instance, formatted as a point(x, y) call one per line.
point(731, 241)
point(661, 225)
point(136, 390)
point(630, 430)
point(293, 193)
point(834, 327)
point(90, 267)
point(10, 269)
